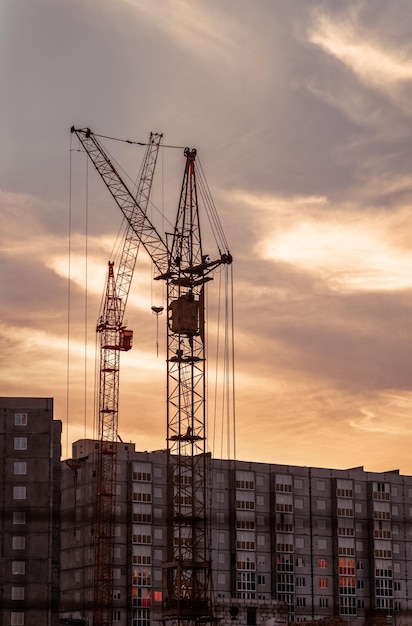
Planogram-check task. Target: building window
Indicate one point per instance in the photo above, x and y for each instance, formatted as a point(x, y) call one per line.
point(300, 561)
point(245, 545)
point(146, 518)
point(323, 603)
point(261, 579)
point(142, 497)
point(346, 567)
point(284, 563)
point(323, 583)
point(321, 505)
point(17, 618)
point(245, 524)
point(17, 593)
point(347, 605)
point(285, 583)
point(344, 489)
point(284, 547)
point(18, 543)
point(19, 493)
point(300, 601)
point(246, 565)
point(20, 419)
point(20, 443)
point(142, 476)
point(19, 517)
point(245, 484)
point(20, 468)
point(300, 581)
point(320, 485)
point(322, 563)
point(116, 616)
point(249, 505)
point(322, 544)
point(143, 539)
point(283, 484)
point(18, 567)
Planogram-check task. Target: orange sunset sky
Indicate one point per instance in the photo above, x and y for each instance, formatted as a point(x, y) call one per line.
point(301, 114)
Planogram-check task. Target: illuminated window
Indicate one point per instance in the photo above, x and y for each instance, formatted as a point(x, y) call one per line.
point(346, 567)
point(322, 563)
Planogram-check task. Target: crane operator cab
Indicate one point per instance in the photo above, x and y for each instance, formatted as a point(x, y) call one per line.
point(185, 315)
point(126, 339)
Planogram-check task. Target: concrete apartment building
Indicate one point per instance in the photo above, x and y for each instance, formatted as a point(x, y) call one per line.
point(287, 543)
point(30, 512)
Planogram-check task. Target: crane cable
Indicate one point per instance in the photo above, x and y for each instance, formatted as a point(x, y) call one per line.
point(69, 299)
point(224, 394)
point(86, 293)
point(136, 143)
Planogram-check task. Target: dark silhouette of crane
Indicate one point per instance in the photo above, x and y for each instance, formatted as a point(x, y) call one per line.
point(186, 270)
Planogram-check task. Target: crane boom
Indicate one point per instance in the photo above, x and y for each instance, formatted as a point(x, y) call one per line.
point(186, 270)
point(114, 338)
point(126, 201)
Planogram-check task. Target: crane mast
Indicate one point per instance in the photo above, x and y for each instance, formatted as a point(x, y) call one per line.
point(114, 338)
point(187, 572)
point(186, 270)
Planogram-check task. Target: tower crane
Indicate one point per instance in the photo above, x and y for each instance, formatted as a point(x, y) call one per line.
point(114, 338)
point(180, 261)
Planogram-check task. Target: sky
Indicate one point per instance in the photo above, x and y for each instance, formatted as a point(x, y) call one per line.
point(301, 114)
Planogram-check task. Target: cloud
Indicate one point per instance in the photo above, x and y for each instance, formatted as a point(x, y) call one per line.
point(360, 49)
point(203, 32)
point(355, 39)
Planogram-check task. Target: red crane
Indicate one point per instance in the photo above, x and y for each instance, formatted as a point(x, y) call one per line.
point(186, 270)
point(114, 338)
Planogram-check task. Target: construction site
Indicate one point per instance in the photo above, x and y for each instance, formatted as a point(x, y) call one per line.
point(178, 536)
